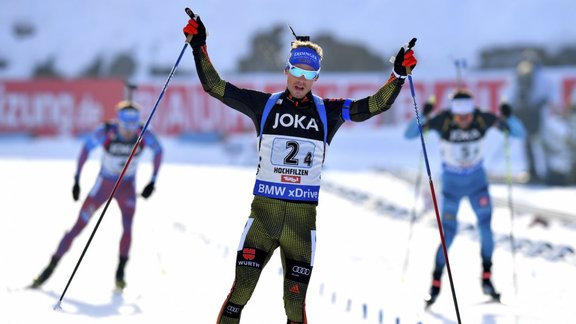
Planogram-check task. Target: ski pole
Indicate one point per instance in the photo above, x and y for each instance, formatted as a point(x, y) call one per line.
point(413, 216)
point(134, 149)
point(511, 208)
point(460, 64)
point(439, 222)
point(129, 89)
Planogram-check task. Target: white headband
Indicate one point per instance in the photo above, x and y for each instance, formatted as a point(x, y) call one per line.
point(462, 106)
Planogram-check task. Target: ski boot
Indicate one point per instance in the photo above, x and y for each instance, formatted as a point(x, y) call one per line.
point(46, 273)
point(434, 289)
point(120, 282)
point(487, 286)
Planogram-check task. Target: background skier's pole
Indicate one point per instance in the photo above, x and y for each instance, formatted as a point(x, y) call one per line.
point(511, 208)
point(438, 221)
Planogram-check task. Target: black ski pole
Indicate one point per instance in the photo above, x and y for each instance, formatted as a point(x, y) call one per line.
point(438, 221)
point(460, 64)
point(134, 149)
point(129, 89)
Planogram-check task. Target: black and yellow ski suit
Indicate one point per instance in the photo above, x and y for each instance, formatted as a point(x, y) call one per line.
point(293, 139)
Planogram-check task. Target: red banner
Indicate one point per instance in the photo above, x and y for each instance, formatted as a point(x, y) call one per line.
point(52, 107)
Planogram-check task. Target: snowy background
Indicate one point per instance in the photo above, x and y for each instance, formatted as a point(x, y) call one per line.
point(72, 34)
point(184, 237)
point(186, 234)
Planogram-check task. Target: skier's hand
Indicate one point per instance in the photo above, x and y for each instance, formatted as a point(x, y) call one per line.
point(76, 190)
point(427, 109)
point(505, 109)
point(148, 190)
point(404, 63)
point(195, 31)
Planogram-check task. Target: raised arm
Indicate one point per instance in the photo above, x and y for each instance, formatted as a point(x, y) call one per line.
point(382, 100)
point(195, 32)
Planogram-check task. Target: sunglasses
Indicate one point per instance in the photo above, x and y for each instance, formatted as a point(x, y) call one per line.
point(129, 119)
point(131, 126)
point(298, 72)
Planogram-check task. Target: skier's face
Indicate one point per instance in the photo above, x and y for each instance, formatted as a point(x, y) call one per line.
point(298, 79)
point(463, 120)
point(128, 122)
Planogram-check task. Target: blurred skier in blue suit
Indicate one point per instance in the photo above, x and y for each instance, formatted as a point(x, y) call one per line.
point(462, 128)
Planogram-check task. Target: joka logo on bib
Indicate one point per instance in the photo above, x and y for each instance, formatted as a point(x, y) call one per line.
point(295, 121)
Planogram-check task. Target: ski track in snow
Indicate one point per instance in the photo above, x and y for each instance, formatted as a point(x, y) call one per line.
point(185, 237)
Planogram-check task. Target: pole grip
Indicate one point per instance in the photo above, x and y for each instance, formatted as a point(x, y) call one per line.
point(412, 43)
point(191, 13)
point(194, 16)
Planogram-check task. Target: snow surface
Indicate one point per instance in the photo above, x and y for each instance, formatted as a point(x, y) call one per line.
point(185, 237)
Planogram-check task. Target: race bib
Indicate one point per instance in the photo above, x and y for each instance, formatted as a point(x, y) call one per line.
point(290, 168)
point(461, 154)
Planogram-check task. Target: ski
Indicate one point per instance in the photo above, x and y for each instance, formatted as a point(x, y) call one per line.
point(429, 302)
point(490, 300)
point(18, 289)
point(126, 295)
point(495, 297)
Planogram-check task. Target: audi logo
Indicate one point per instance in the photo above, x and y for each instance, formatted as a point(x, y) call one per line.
point(232, 309)
point(301, 270)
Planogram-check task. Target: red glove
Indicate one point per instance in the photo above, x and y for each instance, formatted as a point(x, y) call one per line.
point(403, 60)
point(409, 59)
point(197, 30)
point(191, 28)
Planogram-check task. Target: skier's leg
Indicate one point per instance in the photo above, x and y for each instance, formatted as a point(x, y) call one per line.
point(94, 200)
point(296, 279)
point(249, 265)
point(46, 273)
point(126, 198)
point(482, 205)
point(451, 196)
point(449, 225)
point(120, 282)
point(487, 285)
point(434, 288)
point(257, 244)
point(451, 204)
point(298, 244)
